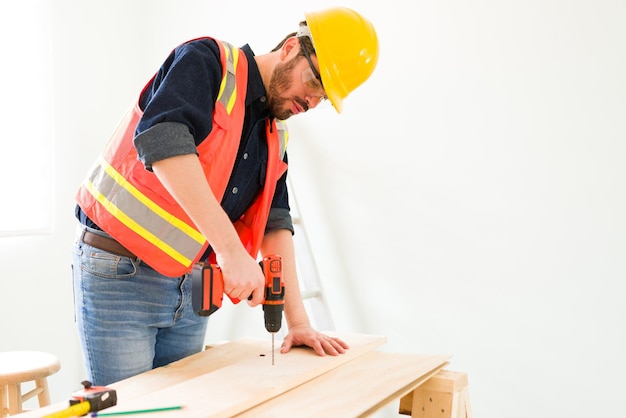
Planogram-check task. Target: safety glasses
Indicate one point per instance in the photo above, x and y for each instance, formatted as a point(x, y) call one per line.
point(312, 78)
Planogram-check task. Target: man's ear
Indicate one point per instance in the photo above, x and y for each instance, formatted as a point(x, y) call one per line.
point(289, 48)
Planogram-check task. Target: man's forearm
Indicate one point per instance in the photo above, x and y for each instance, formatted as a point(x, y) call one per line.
point(184, 179)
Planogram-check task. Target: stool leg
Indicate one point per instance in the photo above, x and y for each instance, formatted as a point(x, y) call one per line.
point(44, 395)
point(15, 398)
point(4, 410)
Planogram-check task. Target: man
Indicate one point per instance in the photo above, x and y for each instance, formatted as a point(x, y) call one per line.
point(196, 171)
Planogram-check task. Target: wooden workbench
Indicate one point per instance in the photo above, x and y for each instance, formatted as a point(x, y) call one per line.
point(237, 379)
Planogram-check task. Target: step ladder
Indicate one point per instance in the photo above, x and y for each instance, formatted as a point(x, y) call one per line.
point(310, 284)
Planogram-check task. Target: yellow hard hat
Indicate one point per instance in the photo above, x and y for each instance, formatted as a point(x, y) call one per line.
point(346, 46)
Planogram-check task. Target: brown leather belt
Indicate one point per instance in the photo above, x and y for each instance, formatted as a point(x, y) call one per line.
point(106, 244)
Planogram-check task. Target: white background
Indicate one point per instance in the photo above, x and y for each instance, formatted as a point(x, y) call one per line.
point(469, 201)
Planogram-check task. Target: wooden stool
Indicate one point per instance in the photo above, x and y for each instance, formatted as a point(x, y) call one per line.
point(17, 367)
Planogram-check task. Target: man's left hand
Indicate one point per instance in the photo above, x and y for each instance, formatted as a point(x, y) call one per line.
point(322, 344)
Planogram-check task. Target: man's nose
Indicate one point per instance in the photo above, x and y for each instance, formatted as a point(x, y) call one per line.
point(313, 101)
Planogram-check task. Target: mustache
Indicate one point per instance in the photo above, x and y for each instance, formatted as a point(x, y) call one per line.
point(303, 104)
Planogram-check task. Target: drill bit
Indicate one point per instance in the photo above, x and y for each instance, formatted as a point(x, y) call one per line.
point(272, 347)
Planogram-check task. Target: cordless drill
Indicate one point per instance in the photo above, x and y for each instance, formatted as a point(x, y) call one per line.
point(208, 291)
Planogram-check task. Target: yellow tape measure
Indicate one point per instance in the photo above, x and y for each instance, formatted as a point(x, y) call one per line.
point(76, 410)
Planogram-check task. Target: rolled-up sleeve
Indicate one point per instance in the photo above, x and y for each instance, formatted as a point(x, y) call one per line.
point(164, 140)
point(279, 218)
point(178, 103)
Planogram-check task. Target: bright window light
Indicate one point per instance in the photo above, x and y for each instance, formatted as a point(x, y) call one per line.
point(26, 117)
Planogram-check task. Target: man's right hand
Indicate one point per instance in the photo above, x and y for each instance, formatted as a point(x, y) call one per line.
point(242, 277)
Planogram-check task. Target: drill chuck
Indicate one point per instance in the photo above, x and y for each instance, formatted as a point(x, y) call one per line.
point(273, 317)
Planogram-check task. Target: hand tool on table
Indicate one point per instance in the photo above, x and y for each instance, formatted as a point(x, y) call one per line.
point(208, 291)
point(89, 399)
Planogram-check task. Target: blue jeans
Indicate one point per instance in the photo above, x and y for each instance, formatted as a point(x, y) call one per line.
point(130, 318)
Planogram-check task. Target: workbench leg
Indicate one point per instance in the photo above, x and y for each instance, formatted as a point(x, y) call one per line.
point(445, 395)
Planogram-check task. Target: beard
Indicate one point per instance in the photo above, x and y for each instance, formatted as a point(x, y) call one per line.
point(280, 106)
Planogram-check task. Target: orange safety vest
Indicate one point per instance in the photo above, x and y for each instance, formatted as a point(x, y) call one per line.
point(131, 205)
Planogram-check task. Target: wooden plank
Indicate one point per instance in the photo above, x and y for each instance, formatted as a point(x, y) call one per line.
point(355, 389)
point(218, 356)
point(221, 355)
point(246, 380)
point(447, 381)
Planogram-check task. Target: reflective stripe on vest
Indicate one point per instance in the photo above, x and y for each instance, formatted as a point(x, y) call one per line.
point(283, 137)
point(228, 88)
point(182, 243)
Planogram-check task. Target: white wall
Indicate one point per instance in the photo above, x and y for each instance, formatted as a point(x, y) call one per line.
point(469, 201)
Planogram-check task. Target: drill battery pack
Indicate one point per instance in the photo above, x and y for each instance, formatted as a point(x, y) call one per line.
point(207, 288)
